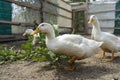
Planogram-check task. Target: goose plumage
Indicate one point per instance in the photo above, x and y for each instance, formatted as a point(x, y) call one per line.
point(111, 42)
point(75, 46)
point(35, 36)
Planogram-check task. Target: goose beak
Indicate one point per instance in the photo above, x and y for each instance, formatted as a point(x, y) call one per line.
point(35, 31)
point(90, 20)
point(24, 34)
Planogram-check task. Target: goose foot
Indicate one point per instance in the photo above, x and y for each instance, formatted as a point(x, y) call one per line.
point(107, 60)
point(70, 68)
point(72, 64)
point(100, 55)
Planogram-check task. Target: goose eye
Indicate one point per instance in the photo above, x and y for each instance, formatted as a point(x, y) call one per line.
point(42, 25)
point(93, 16)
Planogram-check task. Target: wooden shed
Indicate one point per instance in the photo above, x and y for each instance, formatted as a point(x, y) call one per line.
point(26, 13)
point(107, 11)
point(79, 10)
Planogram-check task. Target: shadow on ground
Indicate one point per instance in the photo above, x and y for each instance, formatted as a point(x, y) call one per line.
point(84, 71)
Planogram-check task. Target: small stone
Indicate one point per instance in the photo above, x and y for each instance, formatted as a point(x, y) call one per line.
point(8, 73)
point(115, 79)
point(77, 78)
point(8, 68)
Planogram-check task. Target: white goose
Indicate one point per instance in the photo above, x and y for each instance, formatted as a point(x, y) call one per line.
point(111, 42)
point(75, 46)
point(28, 32)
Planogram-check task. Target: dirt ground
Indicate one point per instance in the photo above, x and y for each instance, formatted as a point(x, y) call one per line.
point(88, 69)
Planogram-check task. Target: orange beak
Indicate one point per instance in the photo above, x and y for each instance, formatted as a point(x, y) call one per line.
point(35, 31)
point(90, 20)
point(24, 34)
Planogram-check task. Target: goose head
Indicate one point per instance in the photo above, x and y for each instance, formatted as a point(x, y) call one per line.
point(43, 28)
point(28, 31)
point(93, 19)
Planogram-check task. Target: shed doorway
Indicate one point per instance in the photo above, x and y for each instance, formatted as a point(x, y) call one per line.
point(79, 22)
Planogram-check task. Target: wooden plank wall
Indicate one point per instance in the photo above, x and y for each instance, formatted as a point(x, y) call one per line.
point(106, 15)
point(59, 12)
point(63, 13)
point(44, 10)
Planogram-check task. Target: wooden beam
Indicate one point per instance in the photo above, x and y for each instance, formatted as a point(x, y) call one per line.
point(118, 10)
point(107, 28)
point(17, 23)
point(67, 27)
point(108, 19)
point(58, 6)
point(65, 2)
point(57, 14)
point(24, 4)
point(12, 37)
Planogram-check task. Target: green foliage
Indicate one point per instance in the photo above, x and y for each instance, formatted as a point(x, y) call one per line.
point(30, 52)
point(9, 55)
point(41, 53)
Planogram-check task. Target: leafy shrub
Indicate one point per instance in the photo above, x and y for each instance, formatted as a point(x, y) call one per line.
point(9, 55)
point(30, 52)
point(41, 53)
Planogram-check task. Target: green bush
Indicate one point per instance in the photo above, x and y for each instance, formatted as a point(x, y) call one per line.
point(41, 53)
point(9, 55)
point(30, 52)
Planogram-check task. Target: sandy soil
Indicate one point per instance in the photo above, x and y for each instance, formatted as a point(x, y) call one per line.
point(89, 69)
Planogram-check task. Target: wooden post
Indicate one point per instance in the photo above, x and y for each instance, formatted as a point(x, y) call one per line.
point(23, 4)
point(86, 22)
point(41, 10)
point(86, 17)
point(73, 19)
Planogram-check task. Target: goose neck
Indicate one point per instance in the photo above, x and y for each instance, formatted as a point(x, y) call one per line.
point(96, 26)
point(50, 35)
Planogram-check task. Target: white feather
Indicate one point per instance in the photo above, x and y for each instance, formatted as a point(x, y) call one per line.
point(111, 42)
point(69, 44)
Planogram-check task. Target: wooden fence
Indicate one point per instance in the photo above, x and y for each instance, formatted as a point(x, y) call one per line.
point(56, 11)
point(106, 15)
point(43, 11)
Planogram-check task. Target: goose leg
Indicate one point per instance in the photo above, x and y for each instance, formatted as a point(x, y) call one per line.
point(72, 64)
point(111, 59)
